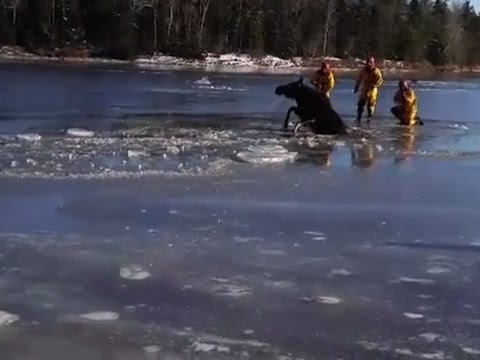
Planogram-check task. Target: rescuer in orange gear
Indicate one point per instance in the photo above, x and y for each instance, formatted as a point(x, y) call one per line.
point(324, 80)
point(368, 82)
point(406, 107)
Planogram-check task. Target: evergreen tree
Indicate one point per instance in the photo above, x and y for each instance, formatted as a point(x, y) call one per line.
point(437, 31)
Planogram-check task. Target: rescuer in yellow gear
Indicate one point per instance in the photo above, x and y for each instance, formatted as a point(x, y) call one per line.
point(368, 82)
point(406, 107)
point(324, 80)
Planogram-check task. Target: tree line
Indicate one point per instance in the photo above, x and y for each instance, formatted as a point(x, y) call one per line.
point(439, 32)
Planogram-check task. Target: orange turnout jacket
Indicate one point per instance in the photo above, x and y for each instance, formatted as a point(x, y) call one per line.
point(368, 82)
point(408, 104)
point(324, 82)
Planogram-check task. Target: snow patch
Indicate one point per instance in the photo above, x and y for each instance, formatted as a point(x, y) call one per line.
point(222, 60)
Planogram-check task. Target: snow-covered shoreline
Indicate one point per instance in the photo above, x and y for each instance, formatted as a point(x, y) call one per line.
point(240, 63)
point(249, 64)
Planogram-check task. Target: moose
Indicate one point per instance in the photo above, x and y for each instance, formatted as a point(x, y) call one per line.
point(312, 108)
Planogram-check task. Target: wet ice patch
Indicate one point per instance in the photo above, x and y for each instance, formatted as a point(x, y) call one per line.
point(368, 345)
point(424, 296)
point(7, 318)
point(437, 270)
point(80, 132)
point(406, 352)
point(431, 337)
point(244, 240)
point(439, 355)
point(326, 300)
point(284, 285)
point(231, 290)
point(313, 233)
point(414, 281)
point(100, 316)
point(266, 154)
point(151, 349)
point(340, 272)
point(271, 252)
point(475, 322)
point(134, 272)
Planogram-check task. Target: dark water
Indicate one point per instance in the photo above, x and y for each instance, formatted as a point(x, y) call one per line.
point(252, 243)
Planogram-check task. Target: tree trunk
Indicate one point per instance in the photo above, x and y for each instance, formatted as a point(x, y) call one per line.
point(204, 10)
point(155, 25)
point(171, 16)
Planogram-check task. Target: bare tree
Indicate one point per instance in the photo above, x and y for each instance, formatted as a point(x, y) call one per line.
point(329, 24)
point(203, 6)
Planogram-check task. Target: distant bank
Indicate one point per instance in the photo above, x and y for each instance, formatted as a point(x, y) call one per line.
point(241, 63)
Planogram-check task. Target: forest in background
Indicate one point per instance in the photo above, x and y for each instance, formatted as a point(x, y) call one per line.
point(437, 32)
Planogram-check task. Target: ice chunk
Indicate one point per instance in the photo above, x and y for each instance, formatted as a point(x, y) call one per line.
point(100, 316)
point(413, 316)
point(151, 349)
point(207, 347)
point(29, 137)
point(268, 154)
point(136, 153)
point(80, 132)
point(471, 351)
point(404, 279)
point(7, 318)
point(134, 272)
point(203, 81)
point(328, 300)
point(173, 150)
